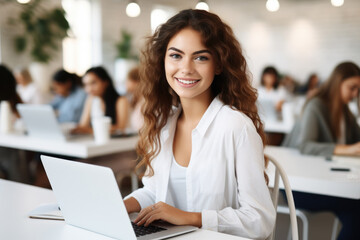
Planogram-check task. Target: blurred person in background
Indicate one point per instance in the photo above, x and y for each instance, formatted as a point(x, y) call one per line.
point(12, 166)
point(327, 127)
point(270, 90)
point(102, 100)
point(70, 96)
point(310, 87)
point(135, 99)
point(8, 90)
point(26, 88)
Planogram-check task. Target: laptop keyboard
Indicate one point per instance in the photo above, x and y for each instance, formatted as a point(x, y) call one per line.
point(142, 230)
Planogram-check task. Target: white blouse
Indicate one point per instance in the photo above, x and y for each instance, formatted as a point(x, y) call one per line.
point(273, 95)
point(224, 178)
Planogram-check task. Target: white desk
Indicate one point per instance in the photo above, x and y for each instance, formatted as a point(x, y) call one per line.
point(18, 199)
point(312, 174)
point(83, 147)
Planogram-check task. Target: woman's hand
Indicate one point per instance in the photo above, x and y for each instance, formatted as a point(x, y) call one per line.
point(352, 149)
point(165, 212)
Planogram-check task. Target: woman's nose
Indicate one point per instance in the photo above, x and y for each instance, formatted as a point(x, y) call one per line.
point(187, 66)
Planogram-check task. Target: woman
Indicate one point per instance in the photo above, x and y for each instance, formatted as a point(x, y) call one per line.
point(11, 165)
point(327, 127)
point(135, 99)
point(102, 100)
point(8, 90)
point(202, 140)
point(70, 96)
point(270, 89)
point(26, 88)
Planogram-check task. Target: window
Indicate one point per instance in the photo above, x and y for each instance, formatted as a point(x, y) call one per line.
point(82, 49)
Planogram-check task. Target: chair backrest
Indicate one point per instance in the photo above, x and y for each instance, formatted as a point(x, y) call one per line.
point(280, 172)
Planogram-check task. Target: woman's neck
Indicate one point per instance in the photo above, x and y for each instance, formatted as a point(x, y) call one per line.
point(194, 109)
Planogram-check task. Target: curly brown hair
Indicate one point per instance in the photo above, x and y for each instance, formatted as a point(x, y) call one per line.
point(232, 85)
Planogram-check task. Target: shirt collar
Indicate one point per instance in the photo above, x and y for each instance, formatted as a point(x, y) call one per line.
point(204, 122)
point(209, 115)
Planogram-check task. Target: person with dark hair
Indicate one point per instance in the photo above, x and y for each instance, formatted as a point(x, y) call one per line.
point(10, 161)
point(327, 127)
point(310, 87)
point(8, 89)
point(202, 141)
point(70, 96)
point(102, 100)
point(270, 89)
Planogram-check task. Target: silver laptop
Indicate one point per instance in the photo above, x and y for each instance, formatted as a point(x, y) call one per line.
point(89, 198)
point(40, 122)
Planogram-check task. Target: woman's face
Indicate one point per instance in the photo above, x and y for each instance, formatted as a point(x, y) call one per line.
point(62, 89)
point(269, 80)
point(349, 89)
point(131, 85)
point(94, 85)
point(189, 65)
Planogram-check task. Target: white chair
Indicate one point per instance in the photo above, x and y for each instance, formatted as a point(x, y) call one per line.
point(279, 171)
point(294, 213)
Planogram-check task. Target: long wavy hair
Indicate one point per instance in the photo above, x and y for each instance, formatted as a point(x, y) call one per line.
point(330, 94)
point(232, 85)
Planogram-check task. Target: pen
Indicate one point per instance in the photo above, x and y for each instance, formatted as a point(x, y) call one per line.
point(340, 169)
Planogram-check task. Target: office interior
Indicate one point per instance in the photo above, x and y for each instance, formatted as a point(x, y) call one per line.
point(297, 37)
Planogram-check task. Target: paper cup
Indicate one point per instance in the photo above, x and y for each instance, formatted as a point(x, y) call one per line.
point(101, 129)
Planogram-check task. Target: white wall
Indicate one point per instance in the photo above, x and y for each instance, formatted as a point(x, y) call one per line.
point(302, 37)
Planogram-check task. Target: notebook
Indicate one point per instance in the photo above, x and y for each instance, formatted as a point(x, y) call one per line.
point(40, 122)
point(89, 198)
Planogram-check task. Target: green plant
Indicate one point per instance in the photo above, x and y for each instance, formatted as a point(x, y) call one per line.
point(124, 47)
point(43, 29)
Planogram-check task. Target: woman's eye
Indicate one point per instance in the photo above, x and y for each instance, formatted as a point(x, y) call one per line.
point(201, 58)
point(175, 56)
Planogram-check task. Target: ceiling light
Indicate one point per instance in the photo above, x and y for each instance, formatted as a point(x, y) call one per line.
point(272, 5)
point(23, 1)
point(337, 3)
point(133, 9)
point(202, 5)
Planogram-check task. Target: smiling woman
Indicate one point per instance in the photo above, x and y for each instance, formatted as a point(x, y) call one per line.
point(190, 67)
point(202, 140)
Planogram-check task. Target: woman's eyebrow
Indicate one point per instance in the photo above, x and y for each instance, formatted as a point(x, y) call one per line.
point(194, 53)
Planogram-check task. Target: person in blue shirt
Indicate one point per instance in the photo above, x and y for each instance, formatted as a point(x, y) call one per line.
point(70, 96)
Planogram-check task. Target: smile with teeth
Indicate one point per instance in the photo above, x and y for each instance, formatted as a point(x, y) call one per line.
point(183, 81)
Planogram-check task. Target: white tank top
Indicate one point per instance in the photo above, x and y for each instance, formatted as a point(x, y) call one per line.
point(177, 185)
